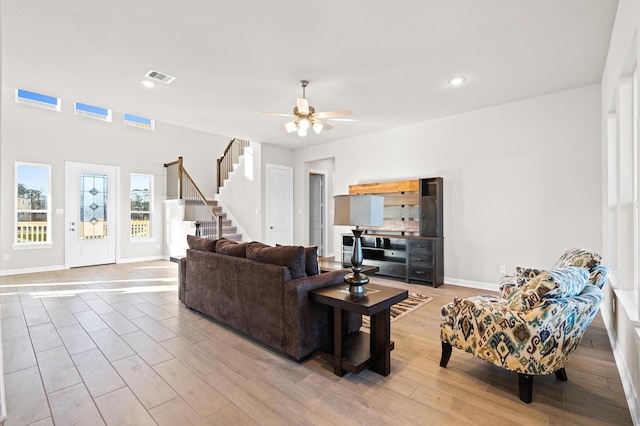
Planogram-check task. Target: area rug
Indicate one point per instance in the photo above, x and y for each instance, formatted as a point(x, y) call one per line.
point(399, 310)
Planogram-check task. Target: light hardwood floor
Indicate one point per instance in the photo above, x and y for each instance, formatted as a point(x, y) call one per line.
point(112, 344)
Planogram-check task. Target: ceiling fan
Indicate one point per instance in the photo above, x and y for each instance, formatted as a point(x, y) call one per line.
point(305, 116)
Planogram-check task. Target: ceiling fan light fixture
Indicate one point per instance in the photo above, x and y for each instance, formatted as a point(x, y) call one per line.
point(305, 116)
point(290, 126)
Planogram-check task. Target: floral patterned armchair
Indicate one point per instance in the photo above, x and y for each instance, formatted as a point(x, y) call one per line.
point(536, 324)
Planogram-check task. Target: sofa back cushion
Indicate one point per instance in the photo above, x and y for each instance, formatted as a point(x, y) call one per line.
point(201, 243)
point(231, 248)
point(556, 284)
point(293, 257)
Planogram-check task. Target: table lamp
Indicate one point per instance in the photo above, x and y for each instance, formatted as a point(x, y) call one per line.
point(358, 210)
point(198, 213)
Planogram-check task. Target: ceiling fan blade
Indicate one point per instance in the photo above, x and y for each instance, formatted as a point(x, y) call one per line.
point(331, 114)
point(326, 125)
point(303, 106)
point(277, 114)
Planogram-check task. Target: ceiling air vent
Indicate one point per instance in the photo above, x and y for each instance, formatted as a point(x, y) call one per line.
point(38, 100)
point(160, 76)
point(90, 111)
point(137, 121)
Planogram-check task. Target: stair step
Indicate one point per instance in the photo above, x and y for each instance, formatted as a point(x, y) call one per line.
point(229, 229)
point(233, 237)
point(212, 202)
point(226, 222)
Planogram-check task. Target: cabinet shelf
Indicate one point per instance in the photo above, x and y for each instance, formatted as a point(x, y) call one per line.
point(410, 244)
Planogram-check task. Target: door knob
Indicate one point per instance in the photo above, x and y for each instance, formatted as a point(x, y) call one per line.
point(271, 227)
point(72, 229)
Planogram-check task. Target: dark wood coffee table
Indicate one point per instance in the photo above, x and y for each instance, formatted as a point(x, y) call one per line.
point(360, 350)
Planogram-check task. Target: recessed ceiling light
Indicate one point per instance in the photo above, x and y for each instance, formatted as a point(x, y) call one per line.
point(457, 81)
point(147, 83)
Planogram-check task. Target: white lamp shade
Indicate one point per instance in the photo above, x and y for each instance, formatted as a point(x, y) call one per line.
point(358, 210)
point(290, 126)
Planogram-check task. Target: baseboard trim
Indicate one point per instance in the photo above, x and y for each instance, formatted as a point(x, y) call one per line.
point(143, 259)
point(473, 284)
point(6, 272)
point(31, 270)
point(627, 384)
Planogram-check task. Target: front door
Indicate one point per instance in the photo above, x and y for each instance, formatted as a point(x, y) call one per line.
point(279, 205)
point(91, 216)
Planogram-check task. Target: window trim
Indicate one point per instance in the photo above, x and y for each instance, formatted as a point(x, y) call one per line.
point(133, 239)
point(48, 243)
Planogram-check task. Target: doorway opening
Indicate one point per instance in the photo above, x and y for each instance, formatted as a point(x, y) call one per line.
point(317, 211)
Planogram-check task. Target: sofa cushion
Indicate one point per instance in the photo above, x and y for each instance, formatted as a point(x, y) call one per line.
point(293, 257)
point(201, 243)
point(231, 248)
point(560, 283)
point(311, 261)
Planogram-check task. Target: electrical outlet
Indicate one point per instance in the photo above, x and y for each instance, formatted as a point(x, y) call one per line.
point(503, 269)
point(5, 257)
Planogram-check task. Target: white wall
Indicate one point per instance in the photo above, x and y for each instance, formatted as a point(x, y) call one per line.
point(31, 134)
point(521, 180)
point(620, 308)
point(240, 196)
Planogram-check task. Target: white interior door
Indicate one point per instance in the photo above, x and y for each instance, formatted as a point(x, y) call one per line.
point(91, 215)
point(279, 205)
point(316, 211)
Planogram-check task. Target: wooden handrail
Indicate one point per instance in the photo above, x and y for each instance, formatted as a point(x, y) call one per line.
point(184, 176)
point(231, 153)
point(196, 188)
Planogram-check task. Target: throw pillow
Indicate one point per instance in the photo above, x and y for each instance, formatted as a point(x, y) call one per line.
point(578, 257)
point(561, 283)
point(311, 264)
point(290, 256)
point(527, 273)
point(571, 281)
point(530, 294)
point(200, 243)
point(231, 248)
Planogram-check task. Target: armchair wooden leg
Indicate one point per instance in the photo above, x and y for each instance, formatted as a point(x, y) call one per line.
point(525, 385)
point(446, 354)
point(561, 375)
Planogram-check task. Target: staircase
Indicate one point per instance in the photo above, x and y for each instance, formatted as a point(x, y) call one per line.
point(213, 222)
point(228, 230)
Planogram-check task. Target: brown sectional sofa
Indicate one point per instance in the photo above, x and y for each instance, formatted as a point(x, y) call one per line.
point(260, 291)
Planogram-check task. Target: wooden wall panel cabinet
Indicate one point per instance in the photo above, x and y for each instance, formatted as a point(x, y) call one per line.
point(410, 245)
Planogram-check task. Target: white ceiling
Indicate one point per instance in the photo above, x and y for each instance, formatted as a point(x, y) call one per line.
point(387, 61)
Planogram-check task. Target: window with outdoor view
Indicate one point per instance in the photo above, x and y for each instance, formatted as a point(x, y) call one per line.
point(33, 209)
point(141, 206)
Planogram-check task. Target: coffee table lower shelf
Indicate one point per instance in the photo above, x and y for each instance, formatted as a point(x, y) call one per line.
point(356, 353)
